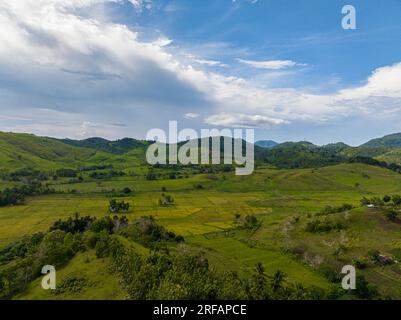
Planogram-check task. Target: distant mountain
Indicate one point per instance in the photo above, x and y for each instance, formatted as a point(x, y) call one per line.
point(29, 151)
point(116, 147)
point(391, 141)
point(291, 144)
point(267, 144)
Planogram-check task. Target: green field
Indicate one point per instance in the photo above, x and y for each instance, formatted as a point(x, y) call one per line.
point(209, 208)
point(202, 217)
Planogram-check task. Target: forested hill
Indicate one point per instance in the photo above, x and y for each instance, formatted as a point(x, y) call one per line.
point(19, 150)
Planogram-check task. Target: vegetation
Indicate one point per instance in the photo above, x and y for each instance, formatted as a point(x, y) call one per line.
point(118, 206)
point(283, 233)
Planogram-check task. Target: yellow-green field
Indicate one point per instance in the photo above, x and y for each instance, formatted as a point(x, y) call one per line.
point(274, 196)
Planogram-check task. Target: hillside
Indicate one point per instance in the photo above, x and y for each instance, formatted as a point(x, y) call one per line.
point(390, 141)
point(30, 151)
point(116, 147)
point(26, 150)
point(232, 222)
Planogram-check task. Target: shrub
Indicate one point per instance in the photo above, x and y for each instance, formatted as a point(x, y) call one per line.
point(118, 206)
point(317, 225)
point(391, 215)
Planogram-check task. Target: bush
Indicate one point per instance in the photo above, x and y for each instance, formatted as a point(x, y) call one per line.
point(332, 210)
point(118, 206)
point(73, 225)
point(364, 290)
point(147, 232)
point(127, 190)
point(71, 284)
point(391, 215)
point(396, 200)
point(317, 225)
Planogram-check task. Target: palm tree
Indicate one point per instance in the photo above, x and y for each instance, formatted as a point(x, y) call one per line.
point(260, 269)
point(277, 280)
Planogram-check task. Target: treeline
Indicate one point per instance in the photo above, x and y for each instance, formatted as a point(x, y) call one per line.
point(106, 174)
point(16, 195)
point(159, 275)
point(178, 171)
point(183, 276)
point(24, 175)
point(22, 261)
point(390, 205)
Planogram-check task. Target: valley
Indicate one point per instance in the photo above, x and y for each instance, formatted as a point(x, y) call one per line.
point(210, 209)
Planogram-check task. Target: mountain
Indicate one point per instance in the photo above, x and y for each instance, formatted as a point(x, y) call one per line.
point(116, 147)
point(267, 144)
point(20, 150)
point(392, 141)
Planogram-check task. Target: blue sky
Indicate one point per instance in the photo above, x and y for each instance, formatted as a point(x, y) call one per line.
point(118, 68)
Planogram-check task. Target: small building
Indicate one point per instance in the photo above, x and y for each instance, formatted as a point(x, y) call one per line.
point(385, 260)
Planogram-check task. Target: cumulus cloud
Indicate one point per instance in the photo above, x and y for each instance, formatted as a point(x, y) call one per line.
point(89, 71)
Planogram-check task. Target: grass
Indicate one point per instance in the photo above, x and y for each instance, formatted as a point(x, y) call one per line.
point(100, 282)
point(274, 196)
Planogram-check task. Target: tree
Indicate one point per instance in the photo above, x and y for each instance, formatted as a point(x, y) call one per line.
point(386, 198)
point(364, 290)
point(117, 207)
point(397, 200)
point(391, 215)
point(127, 190)
point(277, 280)
point(258, 281)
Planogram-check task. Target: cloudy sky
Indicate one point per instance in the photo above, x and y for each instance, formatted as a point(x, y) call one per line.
point(116, 68)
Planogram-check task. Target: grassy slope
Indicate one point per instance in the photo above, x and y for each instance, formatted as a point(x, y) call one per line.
point(101, 283)
point(275, 196)
point(25, 150)
point(366, 229)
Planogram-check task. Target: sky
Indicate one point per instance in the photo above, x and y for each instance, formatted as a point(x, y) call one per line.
point(119, 68)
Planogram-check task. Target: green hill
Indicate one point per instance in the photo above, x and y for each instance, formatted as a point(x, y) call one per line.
point(116, 147)
point(26, 150)
point(389, 141)
point(42, 153)
point(209, 211)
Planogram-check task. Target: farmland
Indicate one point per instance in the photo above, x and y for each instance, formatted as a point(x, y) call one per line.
point(234, 222)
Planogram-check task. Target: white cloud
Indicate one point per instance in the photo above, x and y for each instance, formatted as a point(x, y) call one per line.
point(211, 63)
point(191, 115)
point(93, 70)
point(238, 120)
point(270, 64)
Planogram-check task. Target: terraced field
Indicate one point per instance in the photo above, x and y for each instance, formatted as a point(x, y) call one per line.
point(205, 216)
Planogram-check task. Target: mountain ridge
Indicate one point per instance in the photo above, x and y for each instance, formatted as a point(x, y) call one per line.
point(21, 150)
